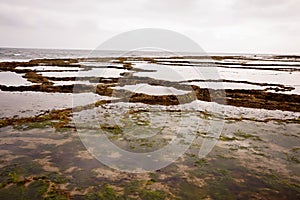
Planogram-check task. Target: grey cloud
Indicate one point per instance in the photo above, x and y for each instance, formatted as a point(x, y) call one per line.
point(219, 26)
point(268, 8)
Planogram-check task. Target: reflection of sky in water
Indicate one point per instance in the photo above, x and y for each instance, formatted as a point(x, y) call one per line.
point(183, 73)
point(152, 90)
point(26, 104)
point(60, 83)
point(95, 72)
point(100, 64)
point(53, 68)
point(226, 85)
point(260, 76)
point(295, 91)
point(13, 79)
point(272, 62)
point(232, 111)
point(177, 73)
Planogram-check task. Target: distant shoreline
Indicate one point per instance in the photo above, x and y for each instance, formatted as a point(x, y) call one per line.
point(207, 53)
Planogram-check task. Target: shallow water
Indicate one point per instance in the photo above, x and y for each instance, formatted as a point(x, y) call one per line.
point(238, 112)
point(61, 83)
point(100, 64)
point(252, 153)
point(261, 161)
point(272, 62)
point(25, 104)
point(261, 76)
point(51, 68)
point(95, 72)
point(177, 73)
point(152, 90)
point(184, 73)
point(226, 85)
point(13, 79)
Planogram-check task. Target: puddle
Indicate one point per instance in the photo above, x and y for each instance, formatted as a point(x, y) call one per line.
point(25, 104)
point(95, 72)
point(226, 85)
point(13, 79)
point(152, 90)
point(273, 62)
point(50, 68)
point(260, 76)
point(238, 112)
point(295, 91)
point(243, 86)
point(184, 73)
point(61, 83)
point(177, 73)
point(14, 60)
point(100, 64)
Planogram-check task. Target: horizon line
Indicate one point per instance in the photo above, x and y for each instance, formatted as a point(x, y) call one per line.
point(87, 49)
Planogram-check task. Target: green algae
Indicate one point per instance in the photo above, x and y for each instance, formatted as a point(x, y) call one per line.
point(152, 195)
point(227, 139)
point(244, 135)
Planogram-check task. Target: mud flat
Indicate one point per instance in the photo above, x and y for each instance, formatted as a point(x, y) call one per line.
point(142, 104)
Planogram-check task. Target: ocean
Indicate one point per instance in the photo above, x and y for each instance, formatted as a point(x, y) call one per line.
point(26, 54)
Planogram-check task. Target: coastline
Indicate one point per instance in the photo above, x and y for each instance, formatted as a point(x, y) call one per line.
point(256, 155)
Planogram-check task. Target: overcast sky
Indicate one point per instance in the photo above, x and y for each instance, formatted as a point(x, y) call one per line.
point(229, 26)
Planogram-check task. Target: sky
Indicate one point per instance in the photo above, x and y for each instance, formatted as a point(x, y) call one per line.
point(218, 26)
